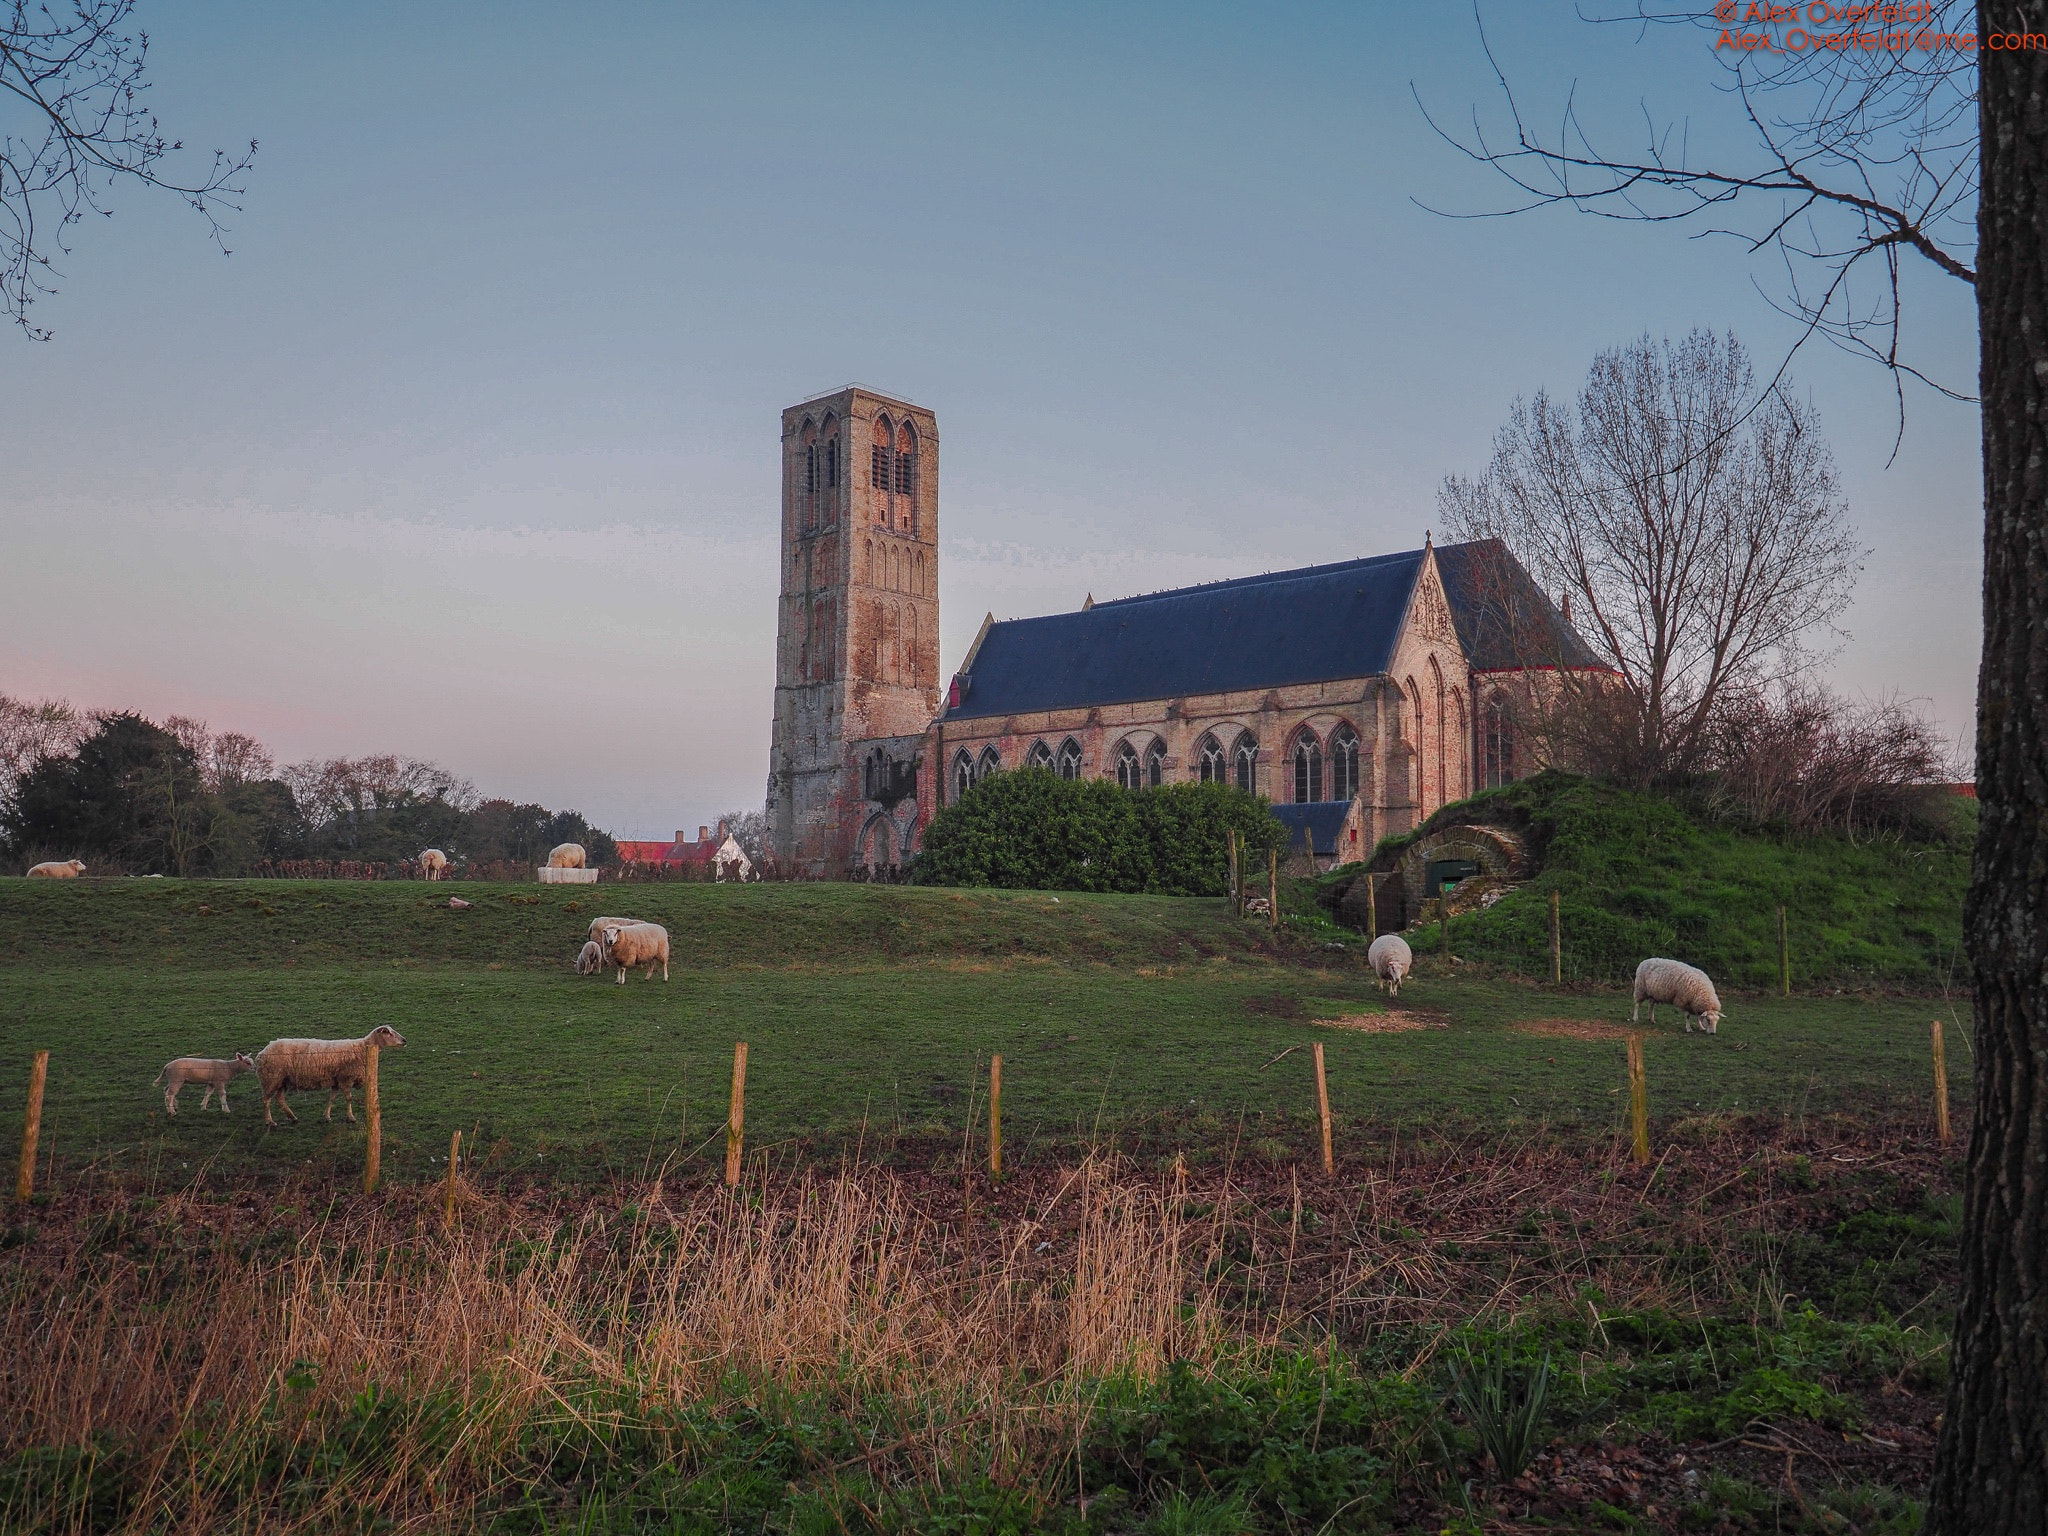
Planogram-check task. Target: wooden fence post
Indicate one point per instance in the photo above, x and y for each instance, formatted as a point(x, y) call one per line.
point(1638, 1100)
point(1372, 907)
point(1236, 874)
point(1940, 1087)
point(1323, 1110)
point(1273, 888)
point(1443, 922)
point(374, 1159)
point(1556, 945)
point(454, 1157)
point(32, 1126)
point(995, 1116)
point(736, 1118)
point(1784, 958)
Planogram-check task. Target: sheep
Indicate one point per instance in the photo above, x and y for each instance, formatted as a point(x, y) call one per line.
point(590, 959)
point(209, 1072)
point(1685, 987)
point(1391, 960)
point(66, 869)
point(599, 924)
point(631, 944)
point(336, 1065)
point(433, 864)
point(566, 856)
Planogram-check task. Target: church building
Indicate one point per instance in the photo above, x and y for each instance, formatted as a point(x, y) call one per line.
point(1358, 696)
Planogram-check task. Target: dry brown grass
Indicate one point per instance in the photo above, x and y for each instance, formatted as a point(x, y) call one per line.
point(1394, 1021)
point(195, 1330)
point(1574, 1029)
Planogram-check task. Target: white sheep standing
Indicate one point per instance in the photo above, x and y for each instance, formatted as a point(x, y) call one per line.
point(566, 856)
point(599, 924)
point(590, 959)
point(1683, 986)
point(210, 1072)
point(630, 944)
point(58, 869)
point(433, 864)
point(336, 1065)
point(1391, 960)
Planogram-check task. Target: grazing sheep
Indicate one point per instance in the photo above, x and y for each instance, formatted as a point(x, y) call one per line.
point(1685, 987)
point(66, 869)
point(634, 944)
point(433, 864)
point(599, 924)
point(209, 1072)
point(336, 1065)
point(566, 856)
point(1391, 960)
point(590, 959)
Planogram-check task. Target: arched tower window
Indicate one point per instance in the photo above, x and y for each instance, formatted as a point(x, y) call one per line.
point(828, 468)
point(1411, 723)
point(1040, 756)
point(1443, 720)
point(990, 761)
point(1130, 773)
point(1155, 763)
point(1344, 763)
point(1461, 745)
point(963, 773)
point(1070, 759)
point(910, 645)
point(1211, 767)
point(807, 474)
point(1308, 767)
point(1246, 761)
point(906, 475)
point(882, 465)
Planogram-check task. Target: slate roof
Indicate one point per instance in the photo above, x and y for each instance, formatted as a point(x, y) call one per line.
point(1317, 624)
point(1323, 820)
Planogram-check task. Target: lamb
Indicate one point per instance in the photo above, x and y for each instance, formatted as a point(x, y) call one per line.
point(590, 959)
point(65, 869)
point(566, 856)
point(336, 1065)
point(433, 864)
point(208, 1071)
point(631, 944)
point(1685, 987)
point(1391, 960)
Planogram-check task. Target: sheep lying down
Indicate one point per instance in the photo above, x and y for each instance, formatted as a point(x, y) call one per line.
point(1684, 987)
point(339, 1066)
point(210, 1072)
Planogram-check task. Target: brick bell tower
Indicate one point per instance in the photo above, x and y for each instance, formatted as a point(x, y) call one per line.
point(856, 648)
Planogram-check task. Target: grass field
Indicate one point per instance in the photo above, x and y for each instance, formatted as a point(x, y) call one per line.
point(870, 1013)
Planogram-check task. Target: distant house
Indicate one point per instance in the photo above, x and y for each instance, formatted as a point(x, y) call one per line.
point(719, 856)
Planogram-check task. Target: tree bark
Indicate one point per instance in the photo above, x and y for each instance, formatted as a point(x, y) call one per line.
point(1991, 1466)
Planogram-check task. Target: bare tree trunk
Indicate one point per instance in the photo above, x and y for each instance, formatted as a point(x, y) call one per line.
point(1991, 1468)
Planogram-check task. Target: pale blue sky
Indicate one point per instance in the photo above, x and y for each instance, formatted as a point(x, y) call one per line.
point(469, 451)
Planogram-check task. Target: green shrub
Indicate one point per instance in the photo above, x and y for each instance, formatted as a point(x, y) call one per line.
point(1033, 830)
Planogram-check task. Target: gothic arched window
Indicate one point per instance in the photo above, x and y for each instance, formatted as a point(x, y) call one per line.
point(1344, 763)
point(881, 465)
point(1040, 756)
point(1308, 767)
point(1130, 773)
point(1070, 759)
point(988, 764)
point(1496, 743)
point(963, 773)
point(906, 460)
point(1155, 763)
point(1246, 761)
point(829, 441)
point(1210, 764)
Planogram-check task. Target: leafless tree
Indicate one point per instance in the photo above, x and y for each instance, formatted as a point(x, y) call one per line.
point(1860, 162)
point(1700, 543)
point(750, 830)
point(30, 732)
point(226, 759)
point(73, 126)
point(341, 786)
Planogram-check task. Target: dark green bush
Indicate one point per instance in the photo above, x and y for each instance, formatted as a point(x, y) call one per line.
point(1033, 830)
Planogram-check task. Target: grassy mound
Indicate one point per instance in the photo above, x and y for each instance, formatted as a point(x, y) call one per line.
point(1640, 874)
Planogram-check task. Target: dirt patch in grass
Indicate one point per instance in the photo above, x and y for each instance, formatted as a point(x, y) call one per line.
point(1394, 1021)
point(1573, 1029)
point(1276, 1005)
